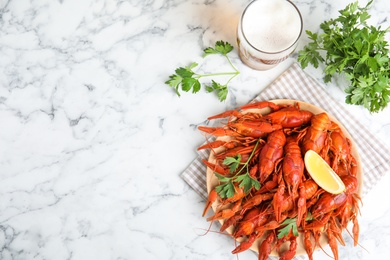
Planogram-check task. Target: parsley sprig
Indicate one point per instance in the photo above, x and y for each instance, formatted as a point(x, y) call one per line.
point(241, 176)
point(290, 224)
point(188, 79)
point(347, 45)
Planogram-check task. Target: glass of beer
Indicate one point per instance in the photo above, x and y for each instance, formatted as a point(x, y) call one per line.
point(268, 32)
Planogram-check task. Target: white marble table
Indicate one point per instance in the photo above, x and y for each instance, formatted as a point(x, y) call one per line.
point(93, 142)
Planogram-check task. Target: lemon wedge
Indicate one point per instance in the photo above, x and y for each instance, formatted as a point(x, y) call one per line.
point(322, 173)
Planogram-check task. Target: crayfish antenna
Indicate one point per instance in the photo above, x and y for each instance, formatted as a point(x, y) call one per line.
point(207, 230)
point(357, 244)
point(229, 114)
point(317, 235)
point(212, 231)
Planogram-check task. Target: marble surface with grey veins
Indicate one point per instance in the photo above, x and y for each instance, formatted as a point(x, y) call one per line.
point(92, 142)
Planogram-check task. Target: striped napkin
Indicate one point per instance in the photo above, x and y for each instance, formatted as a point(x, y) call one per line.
point(294, 83)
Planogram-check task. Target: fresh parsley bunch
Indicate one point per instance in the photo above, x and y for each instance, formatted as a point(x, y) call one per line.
point(348, 45)
point(188, 79)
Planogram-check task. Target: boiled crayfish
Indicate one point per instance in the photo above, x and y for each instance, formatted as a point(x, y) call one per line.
point(272, 147)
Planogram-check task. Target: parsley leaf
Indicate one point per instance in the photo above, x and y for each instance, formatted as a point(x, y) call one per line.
point(247, 182)
point(347, 45)
point(225, 190)
point(220, 48)
point(186, 72)
point(222, 178)
point(234, 162)
point(222, 90)
point(188, 79)
point(290, 224)
point(190, 83)
point(174, 81)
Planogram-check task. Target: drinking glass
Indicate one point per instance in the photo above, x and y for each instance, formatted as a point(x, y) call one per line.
point(268, 32)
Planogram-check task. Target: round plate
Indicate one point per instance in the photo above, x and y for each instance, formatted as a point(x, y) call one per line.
point(212, 180)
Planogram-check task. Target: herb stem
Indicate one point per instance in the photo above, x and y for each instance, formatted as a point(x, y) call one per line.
point(231, 64)
point(198, 76)
point(235, 73)
point(250, 157)
point(231, 78)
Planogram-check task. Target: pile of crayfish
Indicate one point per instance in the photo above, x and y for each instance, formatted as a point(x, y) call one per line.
point(272, 147)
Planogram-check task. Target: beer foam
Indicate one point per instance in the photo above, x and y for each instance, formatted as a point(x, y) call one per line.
point(271, 26)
